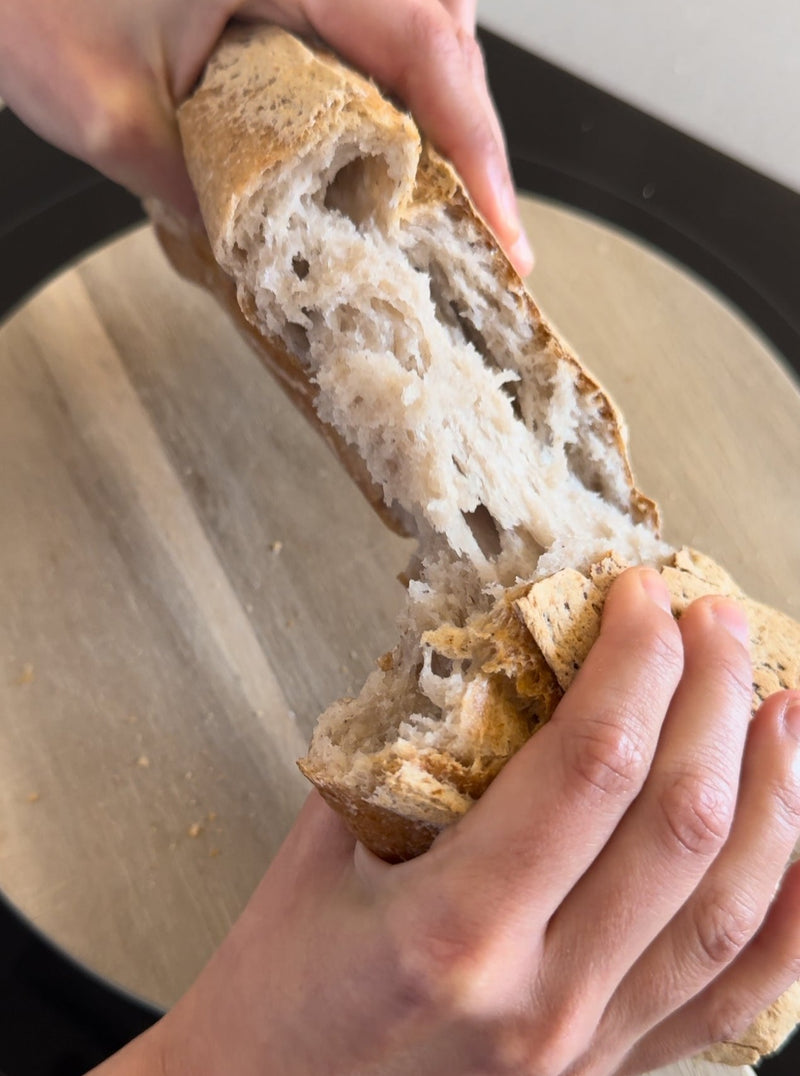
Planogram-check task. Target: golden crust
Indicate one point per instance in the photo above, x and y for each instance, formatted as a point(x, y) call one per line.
point(392, 836)
point(264, 100)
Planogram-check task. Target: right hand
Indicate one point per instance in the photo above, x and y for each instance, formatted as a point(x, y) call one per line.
point(607, 907)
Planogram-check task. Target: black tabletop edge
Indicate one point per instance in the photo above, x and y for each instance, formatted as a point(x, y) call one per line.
point(57, 1018)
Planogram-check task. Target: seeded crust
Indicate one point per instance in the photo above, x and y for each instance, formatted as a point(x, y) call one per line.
point(563, 615)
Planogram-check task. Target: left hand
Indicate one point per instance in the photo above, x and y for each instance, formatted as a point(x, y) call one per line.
point(102, 78)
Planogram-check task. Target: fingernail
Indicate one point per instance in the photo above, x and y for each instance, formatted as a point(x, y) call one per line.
point(522, 255)
point(791, 718)
point(731, 616)
point(655, 588)
point(505, 194)
point(515, 240)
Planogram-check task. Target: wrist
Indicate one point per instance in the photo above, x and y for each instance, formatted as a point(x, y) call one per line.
point(141, 1057)
point(177, 1050)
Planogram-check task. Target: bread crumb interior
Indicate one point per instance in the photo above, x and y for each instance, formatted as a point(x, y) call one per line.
point(467, 418)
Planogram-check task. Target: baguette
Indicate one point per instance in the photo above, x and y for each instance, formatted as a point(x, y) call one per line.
point(350, 255)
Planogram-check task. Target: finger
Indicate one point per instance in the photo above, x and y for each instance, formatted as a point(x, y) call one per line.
point(142, 151)
point(462, 12)
point(86, 90)
point(678, 823)
point(416, 50)
point(732, 899)
point(319, 846)
point(520, 250)
point(725, 1011)
point(550, 812)
point(286, 13)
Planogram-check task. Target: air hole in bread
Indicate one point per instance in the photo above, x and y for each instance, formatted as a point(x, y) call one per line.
point(440, 665)
point(359, 189)
point(450, 312)
point(509, 388)
point(297, 338)
point(471, 334)
point(484, 530)
point(442, 309)
point(589, 473)
point(300, 266)
point(346, 318)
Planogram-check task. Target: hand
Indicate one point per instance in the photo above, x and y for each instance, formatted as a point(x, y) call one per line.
point(608, 906)
point(101, 79)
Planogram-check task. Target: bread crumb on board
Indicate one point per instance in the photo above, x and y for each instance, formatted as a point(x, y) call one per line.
point(33, 797)
point(143, 761)
point(26, 676)
point(195, 829)
point(275, 547)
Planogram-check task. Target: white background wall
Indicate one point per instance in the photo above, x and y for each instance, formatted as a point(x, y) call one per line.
point(726, 71)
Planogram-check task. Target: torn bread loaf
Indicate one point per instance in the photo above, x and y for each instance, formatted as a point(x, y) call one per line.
point(378, 290)
point(380, 299)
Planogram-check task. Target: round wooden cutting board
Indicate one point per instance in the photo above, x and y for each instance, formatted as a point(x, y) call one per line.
point(188, 578)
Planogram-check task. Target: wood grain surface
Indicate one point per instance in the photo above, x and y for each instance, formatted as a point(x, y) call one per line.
point(188, 578)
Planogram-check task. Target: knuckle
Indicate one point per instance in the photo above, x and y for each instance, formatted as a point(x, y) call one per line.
point(505, 1049)
point(697, 811)
point(561, 1037)
point(431, 34)
point(426, 972)
point(446, 967)
point(437, 960)
point(724, 924)
point(791, 967)
point(659, 647)
point(512, 1048)
point(726, 1021)
point(787, 800)
point(609, 757)
point(472, 52)
point(734, 674)
point(115, 125)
